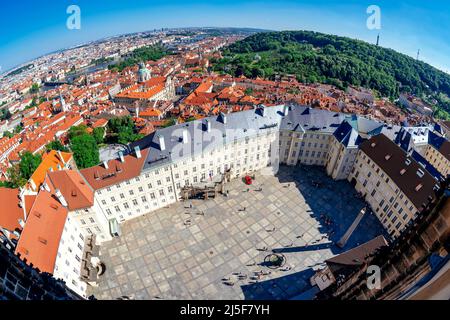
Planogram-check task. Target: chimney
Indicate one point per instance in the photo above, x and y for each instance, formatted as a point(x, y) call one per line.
point(122, 159)
point(185, 136)
point(224, 118)
point(46, 187)
point(262, 110)
point(286, 110)
point(60, 197)
point(61, 157)
point(162, 144)
point(137, 150)
point(105, 164)
point(208, 125)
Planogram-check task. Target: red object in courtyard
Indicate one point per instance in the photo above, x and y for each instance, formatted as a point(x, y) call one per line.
point(248, 180)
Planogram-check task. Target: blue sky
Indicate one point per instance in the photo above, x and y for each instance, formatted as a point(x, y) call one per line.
point(32, 28)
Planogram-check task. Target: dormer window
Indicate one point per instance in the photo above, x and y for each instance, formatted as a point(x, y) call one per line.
point(420, 173)
point(387, 157)
point(408, 162)
point(402, 172)
point(418, 187)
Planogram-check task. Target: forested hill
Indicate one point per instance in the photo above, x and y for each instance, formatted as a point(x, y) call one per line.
point(317, 57)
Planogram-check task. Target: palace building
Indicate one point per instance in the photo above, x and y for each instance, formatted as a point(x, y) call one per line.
point(89, 205)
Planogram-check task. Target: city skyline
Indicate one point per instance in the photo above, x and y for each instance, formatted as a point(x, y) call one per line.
point(405, 27)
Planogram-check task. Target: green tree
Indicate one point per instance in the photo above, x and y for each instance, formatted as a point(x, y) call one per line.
point(77, 131)
point(15, 179)
point(317, 57)
point(34, 88)
point(169, 123)
point(98, 134)
point(28, 164)
point(56, 145)
point(18, 129)
point(8, 134)
point(123, 129)
point(5, 114)
point(85, 150)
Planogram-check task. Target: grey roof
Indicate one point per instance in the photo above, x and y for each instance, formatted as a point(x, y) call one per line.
point(301, 118)
point(247, 123)
point(238, 126)
point(347, 135)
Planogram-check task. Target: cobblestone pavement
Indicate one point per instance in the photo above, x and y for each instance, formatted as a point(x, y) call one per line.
point(159, 257)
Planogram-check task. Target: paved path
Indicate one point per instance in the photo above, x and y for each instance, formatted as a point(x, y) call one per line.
point(158, 256)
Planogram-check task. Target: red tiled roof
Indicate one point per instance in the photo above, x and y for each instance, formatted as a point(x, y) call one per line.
point(39, 241)
point(10, 212)
point(74, 188)
point(99, 177)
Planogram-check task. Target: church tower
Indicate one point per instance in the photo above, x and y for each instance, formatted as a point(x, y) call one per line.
point(143, 73)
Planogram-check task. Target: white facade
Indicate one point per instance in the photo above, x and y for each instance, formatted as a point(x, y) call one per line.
point(160, 186)
point(69, 256)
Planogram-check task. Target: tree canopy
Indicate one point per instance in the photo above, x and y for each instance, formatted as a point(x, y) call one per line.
point(316, 57)
point(28, 164)
point(56, 145)
point(122, 130)
point(85, 150)
point(20, 173)
point(143, 54)
point(98, 134)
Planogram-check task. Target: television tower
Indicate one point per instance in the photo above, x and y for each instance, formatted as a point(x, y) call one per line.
point(418, 54)
point(378, 39)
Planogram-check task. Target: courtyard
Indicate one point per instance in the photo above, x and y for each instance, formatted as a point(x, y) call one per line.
point(214, 249)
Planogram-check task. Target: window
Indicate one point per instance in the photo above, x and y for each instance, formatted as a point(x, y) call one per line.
point(149, 185)
point(113, 199)
point(83, 222)
point(126, 206)
point(135, 203)
point(131, 192)
point(104, 202)
point(91, 220)
point(117, 208)
point(144, 199)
